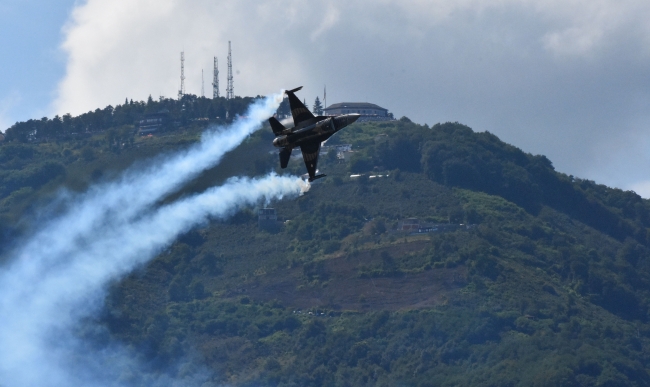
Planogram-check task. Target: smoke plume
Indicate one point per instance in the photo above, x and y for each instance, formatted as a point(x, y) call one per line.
point(60, 274)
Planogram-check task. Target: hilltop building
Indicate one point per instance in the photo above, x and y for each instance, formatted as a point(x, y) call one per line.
point(267, 218)
point(368, 111)
point(152, 122)
point(410, 225)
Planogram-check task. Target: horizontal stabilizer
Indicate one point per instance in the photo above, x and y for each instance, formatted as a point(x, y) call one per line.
point(316, 177)
point(276, 126)
point(293, 90)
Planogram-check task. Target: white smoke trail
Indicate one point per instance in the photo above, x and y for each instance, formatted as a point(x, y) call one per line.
point(37, 304)
point(139, 188)
point(60, 274)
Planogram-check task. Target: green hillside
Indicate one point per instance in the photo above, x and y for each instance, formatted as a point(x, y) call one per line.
point(530, 278)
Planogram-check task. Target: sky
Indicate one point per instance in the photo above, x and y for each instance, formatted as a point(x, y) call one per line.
point(569, 79)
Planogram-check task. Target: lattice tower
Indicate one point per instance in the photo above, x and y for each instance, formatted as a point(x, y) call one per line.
point(181, 91)
point(215, 79)
point(230, 92)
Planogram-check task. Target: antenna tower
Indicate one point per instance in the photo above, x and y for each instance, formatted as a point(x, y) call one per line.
point(202, 85)
point(230, 92)
point(181, 92)
point(215, 79)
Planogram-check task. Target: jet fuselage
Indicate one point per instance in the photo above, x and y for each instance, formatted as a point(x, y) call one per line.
point(313, 132)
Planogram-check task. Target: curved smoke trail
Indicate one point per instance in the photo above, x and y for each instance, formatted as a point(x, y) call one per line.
point(139, 188)
point(60, 275)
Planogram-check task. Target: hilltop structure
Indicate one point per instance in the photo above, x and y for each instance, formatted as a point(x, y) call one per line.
point(267, 218)
point(368, 111)
point(181, 91)
point(152, 122)
point(230, 89)
point(215, 79)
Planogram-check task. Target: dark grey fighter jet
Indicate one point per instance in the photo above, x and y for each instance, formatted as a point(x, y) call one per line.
point(308, 133)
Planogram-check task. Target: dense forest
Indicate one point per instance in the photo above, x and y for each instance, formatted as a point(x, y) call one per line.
point(544, 280)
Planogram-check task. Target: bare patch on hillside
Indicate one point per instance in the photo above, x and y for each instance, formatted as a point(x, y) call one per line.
point(335, 283)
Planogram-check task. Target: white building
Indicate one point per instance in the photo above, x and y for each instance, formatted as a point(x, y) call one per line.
point(368, 111)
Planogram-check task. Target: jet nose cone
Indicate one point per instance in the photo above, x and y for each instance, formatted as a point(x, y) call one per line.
point(344, 120)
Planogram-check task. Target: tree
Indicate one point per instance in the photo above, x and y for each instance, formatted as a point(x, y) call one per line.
point(67, 123)
point(284, 110)
point(318, 108)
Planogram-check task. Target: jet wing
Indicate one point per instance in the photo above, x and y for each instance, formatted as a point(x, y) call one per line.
point(299, 111)
point(310, 156)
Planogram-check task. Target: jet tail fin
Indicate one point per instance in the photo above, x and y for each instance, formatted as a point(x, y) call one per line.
point(276, 126)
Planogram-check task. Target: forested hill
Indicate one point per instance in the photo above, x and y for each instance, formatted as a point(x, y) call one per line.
point(519, 276)
point(455, 156)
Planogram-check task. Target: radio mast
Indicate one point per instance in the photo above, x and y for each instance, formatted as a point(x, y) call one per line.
point(230, 92)
point(181, 91)
point(202, 85)
point(215, 79)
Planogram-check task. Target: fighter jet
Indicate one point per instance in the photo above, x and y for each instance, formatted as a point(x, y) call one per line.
point(308, 132)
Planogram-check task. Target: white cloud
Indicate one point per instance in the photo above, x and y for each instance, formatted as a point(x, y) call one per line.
point(566, 78)
point(584, 27)
point(131, 47)
point(330, 18)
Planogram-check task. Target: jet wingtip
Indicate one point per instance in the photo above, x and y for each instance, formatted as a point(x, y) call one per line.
point(311, 179)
